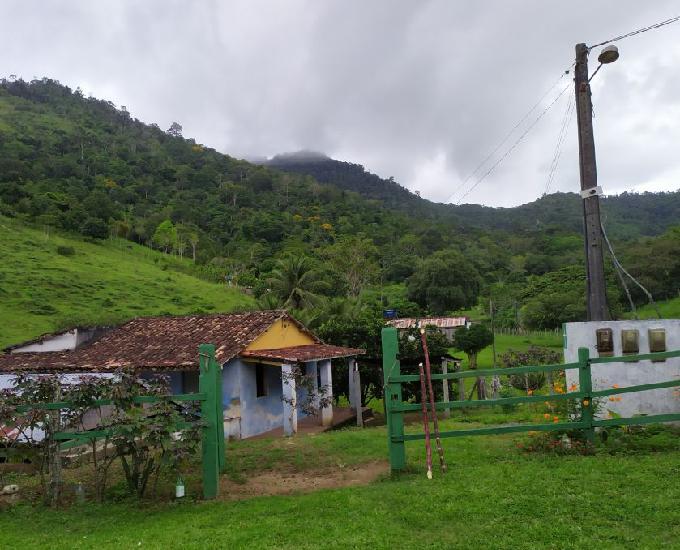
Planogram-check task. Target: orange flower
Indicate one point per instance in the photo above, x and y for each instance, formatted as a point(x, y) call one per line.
point(546, 415)
point(612, 399)
point(615, 386)
point(530, 392)
point(573, 387)
point(556, 419)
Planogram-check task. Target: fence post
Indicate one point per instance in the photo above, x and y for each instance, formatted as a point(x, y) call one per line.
point(219, 414)
point(207, 384)
point(445, 387)
point(585, 382)
point(392, 397)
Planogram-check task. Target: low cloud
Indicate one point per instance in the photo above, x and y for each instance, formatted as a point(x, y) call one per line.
point(421, 91)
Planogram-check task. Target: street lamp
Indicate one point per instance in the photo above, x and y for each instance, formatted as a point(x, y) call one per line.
point(596, 291)
point(608, 55)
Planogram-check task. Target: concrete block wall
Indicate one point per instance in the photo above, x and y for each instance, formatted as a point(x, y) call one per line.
point(606, 375)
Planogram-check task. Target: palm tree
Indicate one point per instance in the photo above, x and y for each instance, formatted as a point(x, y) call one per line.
point(296, 283)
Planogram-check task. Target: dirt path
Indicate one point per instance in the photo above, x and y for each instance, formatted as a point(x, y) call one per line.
point(285, 483)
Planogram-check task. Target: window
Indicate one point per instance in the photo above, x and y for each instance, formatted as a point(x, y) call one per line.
point(260, 382)
point(190, 382)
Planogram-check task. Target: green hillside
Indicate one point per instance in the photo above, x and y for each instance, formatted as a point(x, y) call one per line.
point(82, 165)
point(110, 281)
point(628, 215)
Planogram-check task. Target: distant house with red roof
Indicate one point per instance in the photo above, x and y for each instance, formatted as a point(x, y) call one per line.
point(258, 351)
point(446, 325)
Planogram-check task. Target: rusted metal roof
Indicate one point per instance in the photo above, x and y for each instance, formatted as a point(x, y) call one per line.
point(154, 343)
point(439, 322)
point(299, 354)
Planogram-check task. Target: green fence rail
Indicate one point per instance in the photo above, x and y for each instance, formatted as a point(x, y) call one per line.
point(211, 422)
point(395, 407)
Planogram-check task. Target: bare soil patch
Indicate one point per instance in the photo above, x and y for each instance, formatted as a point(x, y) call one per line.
point(286, 483)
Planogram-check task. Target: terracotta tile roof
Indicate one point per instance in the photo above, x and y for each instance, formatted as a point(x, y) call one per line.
point(298, 354)
point(154, 343)
point(439, 322)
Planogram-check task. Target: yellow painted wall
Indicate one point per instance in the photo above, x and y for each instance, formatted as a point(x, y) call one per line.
point(281, 334)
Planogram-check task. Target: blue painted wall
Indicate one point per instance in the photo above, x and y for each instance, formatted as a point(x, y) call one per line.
point(260, 414)
point(245, 414)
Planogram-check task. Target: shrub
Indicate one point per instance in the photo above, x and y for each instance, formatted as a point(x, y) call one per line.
point(66, 250)
point(503, 394)
point(143, 439)
point(533, 356)
point(95, 228)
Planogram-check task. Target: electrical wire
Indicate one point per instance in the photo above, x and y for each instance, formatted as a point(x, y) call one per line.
point(514, 145)
point(618, 266)
point(507, 136)
point(638, 31)
point(558, 147)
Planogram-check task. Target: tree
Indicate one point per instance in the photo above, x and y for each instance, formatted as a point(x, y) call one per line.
point(296, 282)
point(175, 129)
point(165, 236)
point(95, 228)
point(444, 282)
point(355, 259)
point(360, 330)
point(471, 340)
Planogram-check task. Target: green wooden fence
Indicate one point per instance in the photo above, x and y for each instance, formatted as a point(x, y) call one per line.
point(395, 407)
point(209, 395)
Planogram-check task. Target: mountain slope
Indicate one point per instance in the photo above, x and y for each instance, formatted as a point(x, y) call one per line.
point(42, 290)
point(628, 215)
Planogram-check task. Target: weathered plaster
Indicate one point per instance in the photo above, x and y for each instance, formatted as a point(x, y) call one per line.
point(627, 374)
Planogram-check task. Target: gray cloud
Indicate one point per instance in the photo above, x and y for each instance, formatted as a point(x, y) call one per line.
point(418, 90)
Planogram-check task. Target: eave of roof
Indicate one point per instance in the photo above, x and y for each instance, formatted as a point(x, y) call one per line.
point(300, 354)
point(154, 343)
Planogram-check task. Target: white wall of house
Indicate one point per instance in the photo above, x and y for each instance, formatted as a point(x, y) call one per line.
point(60, 342)
point(71, 339)
point(606, 375)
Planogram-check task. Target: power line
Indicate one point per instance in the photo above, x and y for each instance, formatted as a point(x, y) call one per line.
point(638, 31)
point(558, 147)
point(514, 145)
point(507, 136)
point(621, 270)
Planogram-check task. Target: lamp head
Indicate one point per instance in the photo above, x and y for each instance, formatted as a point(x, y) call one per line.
point(608, 54)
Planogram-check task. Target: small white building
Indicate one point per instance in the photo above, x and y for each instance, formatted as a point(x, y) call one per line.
point(446, 325)
point(619, 338)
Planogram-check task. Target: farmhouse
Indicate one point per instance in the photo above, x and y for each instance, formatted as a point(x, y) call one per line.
point(258, 352)
point(446, 325)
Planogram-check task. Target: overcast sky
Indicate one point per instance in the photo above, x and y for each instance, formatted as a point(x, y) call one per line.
point(419, 90)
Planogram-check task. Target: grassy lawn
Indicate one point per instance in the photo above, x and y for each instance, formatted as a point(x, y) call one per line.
point(506, 342)
point(670, 309)
point(494, 496)
point(42, 291)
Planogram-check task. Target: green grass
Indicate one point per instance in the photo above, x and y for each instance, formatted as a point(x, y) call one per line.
point(42, 291)
point(493, 496)
point(670, 309)
point(506, 342)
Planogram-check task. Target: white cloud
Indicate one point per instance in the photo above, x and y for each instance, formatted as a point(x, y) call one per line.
point(418, 90)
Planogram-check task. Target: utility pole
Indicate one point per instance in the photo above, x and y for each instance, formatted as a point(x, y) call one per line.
point(596, 287)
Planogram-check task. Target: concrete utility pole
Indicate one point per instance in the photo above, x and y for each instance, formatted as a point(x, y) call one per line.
point(596, 287)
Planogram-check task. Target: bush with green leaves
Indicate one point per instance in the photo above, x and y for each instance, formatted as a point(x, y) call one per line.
point(146, 438)
point(533, 356)
point(66, 250)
